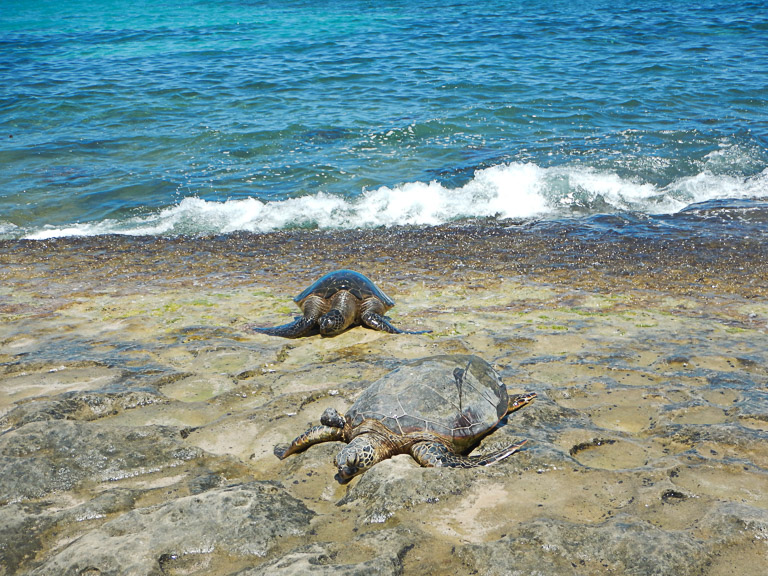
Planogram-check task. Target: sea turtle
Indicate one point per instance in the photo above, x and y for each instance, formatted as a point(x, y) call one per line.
point(436, 409)
point(335, 302)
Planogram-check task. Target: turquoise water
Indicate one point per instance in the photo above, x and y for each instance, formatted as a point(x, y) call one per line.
point(213, 116)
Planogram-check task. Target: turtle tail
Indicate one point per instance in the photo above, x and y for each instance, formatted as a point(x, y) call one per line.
point(435, 454)
point(302, 326)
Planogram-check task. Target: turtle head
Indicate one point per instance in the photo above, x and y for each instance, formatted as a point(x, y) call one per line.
point(517, 402)
point(332, 323)
point(356, 457)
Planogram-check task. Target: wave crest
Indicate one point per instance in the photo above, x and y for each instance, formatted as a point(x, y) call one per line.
point(508, 191)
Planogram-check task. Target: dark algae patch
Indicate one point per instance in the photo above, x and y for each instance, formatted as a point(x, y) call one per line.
point(591, 444)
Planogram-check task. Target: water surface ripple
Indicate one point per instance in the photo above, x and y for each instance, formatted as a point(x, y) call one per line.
point(220, 116)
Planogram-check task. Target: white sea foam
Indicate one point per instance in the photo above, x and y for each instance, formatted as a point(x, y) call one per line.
point(8, 229)
point(515, 190)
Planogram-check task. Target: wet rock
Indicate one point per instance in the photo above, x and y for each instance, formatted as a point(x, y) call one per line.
point(619, 546)
point(316, 559)
point(26, 527)
point(83, 406)
point(21, 529)
point(542, 420)
point(700, 438)
point(45, 457)
point(377, 553)
point(674, 484)
point(401, 484)
point(187, 535)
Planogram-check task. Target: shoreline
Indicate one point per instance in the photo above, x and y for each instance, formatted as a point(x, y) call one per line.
point(559, 253)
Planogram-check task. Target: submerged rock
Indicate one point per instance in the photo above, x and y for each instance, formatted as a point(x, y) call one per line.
point(549, 546)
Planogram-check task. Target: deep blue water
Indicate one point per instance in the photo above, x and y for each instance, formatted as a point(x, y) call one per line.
point(212, 116)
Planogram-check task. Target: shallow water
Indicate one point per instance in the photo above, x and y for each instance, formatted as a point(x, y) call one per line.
point(645, 446)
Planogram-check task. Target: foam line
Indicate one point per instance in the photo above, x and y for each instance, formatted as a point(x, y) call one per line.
point(517, 190)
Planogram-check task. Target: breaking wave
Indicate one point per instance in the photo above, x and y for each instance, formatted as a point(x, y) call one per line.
point(509, 191)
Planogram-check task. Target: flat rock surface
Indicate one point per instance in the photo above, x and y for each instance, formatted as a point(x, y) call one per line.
point(138, 414)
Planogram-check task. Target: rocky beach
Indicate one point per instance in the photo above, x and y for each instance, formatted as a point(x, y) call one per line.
point(138, 414)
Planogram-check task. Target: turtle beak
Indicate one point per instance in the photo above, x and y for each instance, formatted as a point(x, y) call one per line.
point(345, 474)
point(346, 464)
point(341, 480)
point(331, 324)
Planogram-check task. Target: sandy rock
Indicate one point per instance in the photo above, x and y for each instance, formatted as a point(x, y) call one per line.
point(138, 412)
point(378, 553)
point(45, 457)
point(400, 484)
point(620, 545)
point(26, 527)
point(187, 535)
point(82, 406)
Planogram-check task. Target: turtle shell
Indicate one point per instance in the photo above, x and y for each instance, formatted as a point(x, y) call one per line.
point(457, 397)
point(354, 282)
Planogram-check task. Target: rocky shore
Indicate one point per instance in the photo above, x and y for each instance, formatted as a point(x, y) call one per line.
point(138, 414)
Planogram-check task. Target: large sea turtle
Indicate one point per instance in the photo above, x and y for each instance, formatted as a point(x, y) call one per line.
point(436, 409)
point(335, 302)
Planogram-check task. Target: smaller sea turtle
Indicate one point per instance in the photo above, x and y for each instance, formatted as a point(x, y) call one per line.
point(335, 302)
point(436, 409)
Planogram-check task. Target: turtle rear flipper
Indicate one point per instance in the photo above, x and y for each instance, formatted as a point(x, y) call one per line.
point(379, 322)
point(302, 326)
point(435, 454)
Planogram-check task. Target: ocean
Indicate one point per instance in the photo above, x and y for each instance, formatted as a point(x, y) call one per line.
point(209, 117)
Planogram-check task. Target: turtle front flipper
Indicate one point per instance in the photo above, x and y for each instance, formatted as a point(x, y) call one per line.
point(379, 322)
point(435, 455)
point(314, 435)
point(331, 417)
point(302, 326)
